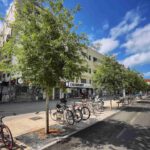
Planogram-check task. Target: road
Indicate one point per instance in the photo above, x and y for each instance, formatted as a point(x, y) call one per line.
point(9, 109)
point(128, 129)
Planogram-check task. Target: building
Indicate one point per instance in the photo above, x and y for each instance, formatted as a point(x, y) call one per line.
point(75, 88)
point(84, 85)
point(5, 34)
point(147, 81)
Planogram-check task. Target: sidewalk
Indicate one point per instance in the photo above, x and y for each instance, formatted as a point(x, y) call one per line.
point(29, 128)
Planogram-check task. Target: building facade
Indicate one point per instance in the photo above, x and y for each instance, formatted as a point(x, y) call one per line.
point(5, 34)
point(84, 85)
point(76, 88)
point(147, 81)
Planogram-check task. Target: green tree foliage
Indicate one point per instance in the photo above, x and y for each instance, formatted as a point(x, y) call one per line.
point(113, 77)
point(135, 82)
point(45, 43)
point(109, 75)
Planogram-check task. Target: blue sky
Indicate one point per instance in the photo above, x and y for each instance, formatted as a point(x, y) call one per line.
point(114, 27)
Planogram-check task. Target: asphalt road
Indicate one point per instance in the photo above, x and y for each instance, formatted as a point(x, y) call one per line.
point(127, 130)
point(9, 109)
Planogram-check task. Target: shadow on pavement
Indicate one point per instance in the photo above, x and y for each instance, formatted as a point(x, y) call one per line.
point(136, 109)
point(109, 134)
point(144, 102)
point(15, 147)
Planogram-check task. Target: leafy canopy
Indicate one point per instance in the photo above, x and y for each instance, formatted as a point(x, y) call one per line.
point(112, 76)
point(109, 75)
point(45, 42)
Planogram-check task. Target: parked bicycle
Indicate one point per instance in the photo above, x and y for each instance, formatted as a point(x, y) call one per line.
point(84, 110)
point(95, 104)
point(74, 108)
point(62, 113)
point(5, 135)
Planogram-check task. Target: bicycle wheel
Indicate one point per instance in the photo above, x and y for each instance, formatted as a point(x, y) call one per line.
point(53, 114)
point(77, 115)
point(69, 117)
point(7, 137)
point(85, 113)
point(97, 108)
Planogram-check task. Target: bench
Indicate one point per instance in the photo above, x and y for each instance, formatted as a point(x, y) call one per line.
point(120, 101)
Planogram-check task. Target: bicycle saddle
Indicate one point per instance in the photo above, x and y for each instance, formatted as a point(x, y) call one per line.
point(58, 106)
point(63, 100)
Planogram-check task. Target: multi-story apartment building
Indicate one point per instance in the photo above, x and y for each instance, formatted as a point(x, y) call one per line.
point(75, 88)
point(5, 34)
point(84, 85)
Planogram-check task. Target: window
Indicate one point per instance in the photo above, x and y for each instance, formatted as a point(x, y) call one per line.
point(8, 74)
point(3, 75)
point(83, 80)
point(89, 57)
point(94, 71)
point(94, 59)
point(90, 70)
point(90, 81)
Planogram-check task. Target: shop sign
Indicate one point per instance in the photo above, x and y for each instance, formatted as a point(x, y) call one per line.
point(79, 85)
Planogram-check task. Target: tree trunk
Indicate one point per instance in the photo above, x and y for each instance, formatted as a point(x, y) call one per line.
point(110, 104)
point(124, 93)
point(47, 113)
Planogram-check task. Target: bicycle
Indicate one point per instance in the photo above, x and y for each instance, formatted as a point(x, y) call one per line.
point(84, 110)
point(74, 108)
point(62, 113)
point(78, 116)
point(95, 105)
point(5, 134)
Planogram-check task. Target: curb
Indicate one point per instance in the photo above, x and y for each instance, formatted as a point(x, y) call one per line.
point(66, 136)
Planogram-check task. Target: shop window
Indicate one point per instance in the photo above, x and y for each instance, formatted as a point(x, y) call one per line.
point(8, 74)
point(94, 59)
point(3, 75)
point(83, 80)
point(89, 57)
point(90, 81)
point(90, 70)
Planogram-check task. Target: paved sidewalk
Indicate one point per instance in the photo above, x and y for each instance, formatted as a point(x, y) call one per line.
point(23, 126)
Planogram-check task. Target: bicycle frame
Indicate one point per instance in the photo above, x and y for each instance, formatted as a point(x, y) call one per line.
point(2, 135)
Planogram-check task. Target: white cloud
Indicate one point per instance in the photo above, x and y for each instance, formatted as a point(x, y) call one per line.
point(129, 22)
point(137, 59)
point(138, 41)
point(5, 2)
point(105, 45)
point(147, 74)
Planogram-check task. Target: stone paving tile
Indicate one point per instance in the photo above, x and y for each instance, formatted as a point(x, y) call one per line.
point(37, 139)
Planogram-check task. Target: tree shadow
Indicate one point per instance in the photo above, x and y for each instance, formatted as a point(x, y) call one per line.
point(144, 102)
point(136, 109)
point(111, 134)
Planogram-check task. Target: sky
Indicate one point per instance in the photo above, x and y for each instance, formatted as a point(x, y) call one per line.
point(114, 27)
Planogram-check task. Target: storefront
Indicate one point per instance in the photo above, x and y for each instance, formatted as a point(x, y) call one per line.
point(78, 89)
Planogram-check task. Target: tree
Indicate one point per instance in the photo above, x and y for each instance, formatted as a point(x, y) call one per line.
point(109, 76)
point(113, 77)
point(46, 45)
point(134, 82)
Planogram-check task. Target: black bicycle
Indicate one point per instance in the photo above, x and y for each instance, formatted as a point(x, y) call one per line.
point(62, 113)
point(5, 135)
